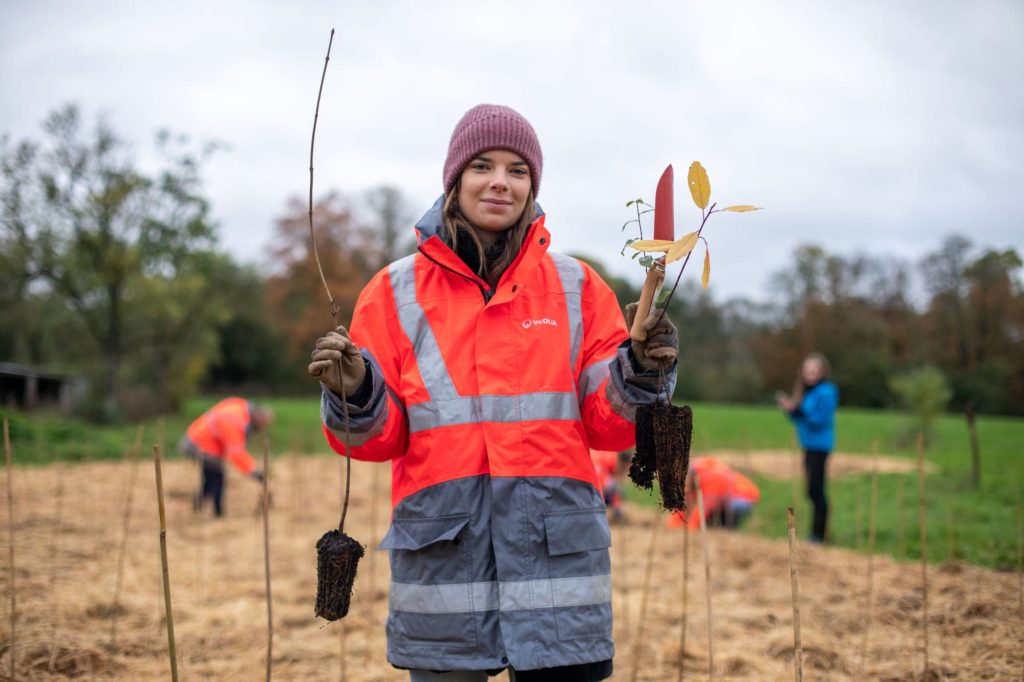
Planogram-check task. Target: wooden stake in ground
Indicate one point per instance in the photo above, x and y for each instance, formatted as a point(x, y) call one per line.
point(1020, 578)
point(798, 654)
point(54, 563)
point(266, 552)
point(796, 474)
point(858, 517)
point(975, 448)
point(950, 546)
point(924, 547)
point(163, 564)
point(648, 570)
point(872, 528)
point(10, 544)
point(682, 618)
point(623, 578)
point(902, 521)
point(707, 578)
point(132, 457)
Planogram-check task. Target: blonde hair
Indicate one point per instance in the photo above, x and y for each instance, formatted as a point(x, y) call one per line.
point(456, 225)
point(798, 384)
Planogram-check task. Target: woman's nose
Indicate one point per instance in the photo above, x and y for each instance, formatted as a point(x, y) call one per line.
point(498, 182)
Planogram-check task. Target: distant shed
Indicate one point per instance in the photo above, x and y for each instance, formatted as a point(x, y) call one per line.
point(30, 388)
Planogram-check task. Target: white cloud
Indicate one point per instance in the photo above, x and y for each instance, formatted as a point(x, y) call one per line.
point(872, 126)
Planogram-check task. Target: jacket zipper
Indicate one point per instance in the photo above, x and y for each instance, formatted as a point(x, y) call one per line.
point(485, 292)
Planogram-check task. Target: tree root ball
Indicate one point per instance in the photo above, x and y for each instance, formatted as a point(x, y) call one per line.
point(337, 558)
point(663, 434)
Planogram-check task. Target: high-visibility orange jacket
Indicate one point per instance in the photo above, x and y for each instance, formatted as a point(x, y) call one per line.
point(719, 484)
point(221, 433)
point(487, 402)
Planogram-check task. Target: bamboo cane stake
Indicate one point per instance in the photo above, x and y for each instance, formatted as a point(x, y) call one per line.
point(798, 654)
point(872, 534)
point(624, 579)
point(858, 518)
point(682, 626)
point(342, 629)
point(374, 503)
point(10, 543)
point(924, 547)
point(796, 474)
point(902, 521)
point(648, 570)
point(266, 554)
point(55, 565)
point(707, 579)
point(171, 649)
point(1020, 577)
point(950, 545)
point(132, 457)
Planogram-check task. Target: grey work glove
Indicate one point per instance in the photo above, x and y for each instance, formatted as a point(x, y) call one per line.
point(257, 474)
point(337, 345)
point(660, 349)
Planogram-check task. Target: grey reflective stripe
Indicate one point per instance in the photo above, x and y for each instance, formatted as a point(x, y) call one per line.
point(571, 273)
point(521, 595)
point(452, 598)
point(556, 593)
point(493, 408)
point(592, 377)
point(414, 322)
point(446, 407)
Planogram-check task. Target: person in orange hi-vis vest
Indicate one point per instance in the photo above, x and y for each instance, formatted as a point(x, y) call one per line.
point(611, 466)
point(220, 434)
point(729, 496)
point(485, 367)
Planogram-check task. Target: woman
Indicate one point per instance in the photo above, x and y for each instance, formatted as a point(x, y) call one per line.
point(485, 368)
point(812, 407)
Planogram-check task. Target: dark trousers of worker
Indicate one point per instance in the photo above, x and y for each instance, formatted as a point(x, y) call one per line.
point(814, 465)
point(213, 486)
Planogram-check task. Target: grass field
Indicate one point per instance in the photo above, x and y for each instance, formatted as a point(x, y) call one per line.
point(984, 529)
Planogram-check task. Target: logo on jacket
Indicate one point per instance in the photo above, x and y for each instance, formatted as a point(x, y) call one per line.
point(544, 320)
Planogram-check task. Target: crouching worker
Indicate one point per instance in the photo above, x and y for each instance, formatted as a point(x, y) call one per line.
point(611, 468)
point(485, 367)
point(729, 496)
point(220, 434)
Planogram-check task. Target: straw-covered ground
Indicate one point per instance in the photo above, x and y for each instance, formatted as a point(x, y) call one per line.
point(68, 522)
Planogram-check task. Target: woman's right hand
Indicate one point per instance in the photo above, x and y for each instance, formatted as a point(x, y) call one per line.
point(335, 350)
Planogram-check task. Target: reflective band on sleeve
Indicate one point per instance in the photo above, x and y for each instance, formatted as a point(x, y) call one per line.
point(493, 408)
point(521, 595)
point(592, 377)
point(571, 273)
point(414, 322)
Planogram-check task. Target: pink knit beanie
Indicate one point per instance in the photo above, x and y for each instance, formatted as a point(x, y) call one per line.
point(492, 126)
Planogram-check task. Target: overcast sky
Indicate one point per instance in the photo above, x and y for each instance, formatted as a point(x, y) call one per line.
point(875, 127)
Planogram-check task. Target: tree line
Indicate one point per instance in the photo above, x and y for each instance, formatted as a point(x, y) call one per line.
point(114, 273)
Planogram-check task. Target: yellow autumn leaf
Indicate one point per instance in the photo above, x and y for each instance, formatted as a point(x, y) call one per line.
point(706, 275)
point(742, 208)
point(681, 247)
point(662, 245)
point(700, 186)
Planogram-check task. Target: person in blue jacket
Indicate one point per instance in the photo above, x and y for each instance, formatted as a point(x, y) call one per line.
point(812, 407)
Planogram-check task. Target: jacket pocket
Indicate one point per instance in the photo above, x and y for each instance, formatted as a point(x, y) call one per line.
point(431, 602)
point(580, 572)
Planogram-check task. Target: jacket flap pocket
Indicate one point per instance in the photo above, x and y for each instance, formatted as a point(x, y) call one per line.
point(577, 531)
point(407, 533)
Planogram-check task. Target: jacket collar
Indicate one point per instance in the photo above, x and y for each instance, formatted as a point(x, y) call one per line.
point(428, 230)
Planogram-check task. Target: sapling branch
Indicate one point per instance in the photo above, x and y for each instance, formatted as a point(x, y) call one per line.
point(334, 306)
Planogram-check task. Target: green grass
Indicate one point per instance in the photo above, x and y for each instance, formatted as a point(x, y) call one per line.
point(984, 531)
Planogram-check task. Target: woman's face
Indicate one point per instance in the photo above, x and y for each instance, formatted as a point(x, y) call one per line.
point(493, 190)
point(812, 372)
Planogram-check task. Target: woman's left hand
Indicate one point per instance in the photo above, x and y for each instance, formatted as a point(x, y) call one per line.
point(660, 349)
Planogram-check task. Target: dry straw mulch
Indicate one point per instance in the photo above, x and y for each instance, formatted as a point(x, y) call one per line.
point(217, 585)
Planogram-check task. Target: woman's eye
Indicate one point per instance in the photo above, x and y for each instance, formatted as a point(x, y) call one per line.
point(480, 166)
point(520, 171)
